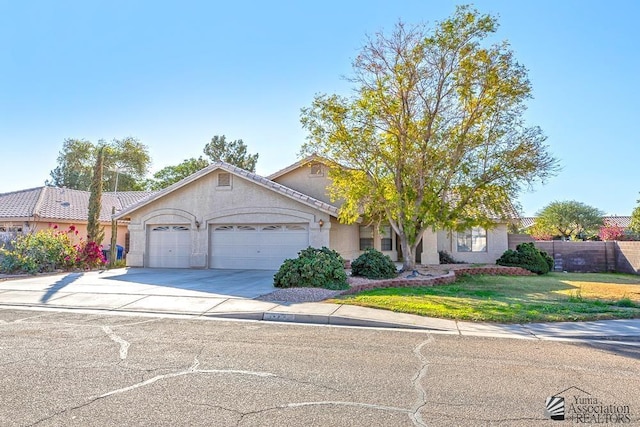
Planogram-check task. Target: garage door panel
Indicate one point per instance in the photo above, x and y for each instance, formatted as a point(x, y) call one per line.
point(261, 247)
point(169, 246)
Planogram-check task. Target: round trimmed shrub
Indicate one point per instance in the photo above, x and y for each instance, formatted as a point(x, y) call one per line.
point(528, 257)
point(316, 268)
point(373, 264)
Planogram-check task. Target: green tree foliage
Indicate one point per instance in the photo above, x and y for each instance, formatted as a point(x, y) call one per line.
point(635, 219)
point(528, 257)
point(373, 264)
point(434, 136)
point(318, 268)
point(233, 152)
point(95, 232)
point(126, 161)
point(172, 174)
point(569, 220)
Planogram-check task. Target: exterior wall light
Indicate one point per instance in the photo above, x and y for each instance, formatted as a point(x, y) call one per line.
point(321, 223)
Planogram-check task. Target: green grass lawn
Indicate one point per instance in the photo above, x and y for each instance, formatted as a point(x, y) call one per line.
point(507, 299)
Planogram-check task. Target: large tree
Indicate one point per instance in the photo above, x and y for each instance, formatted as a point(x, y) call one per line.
point(233, 152)
point(433, 136)
point(172, 174)
point(569, 220)
point(219, 149)
point(126, 162)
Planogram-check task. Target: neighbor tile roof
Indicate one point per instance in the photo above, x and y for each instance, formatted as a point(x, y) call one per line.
point(19, 204)
point(258, 179)
point(620, 221)
point(54, 203)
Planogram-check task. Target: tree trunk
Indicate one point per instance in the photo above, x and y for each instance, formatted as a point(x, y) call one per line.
point(408, 253)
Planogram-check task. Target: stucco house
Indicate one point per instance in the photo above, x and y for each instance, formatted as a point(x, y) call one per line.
point(228, 218)
point(34, 209)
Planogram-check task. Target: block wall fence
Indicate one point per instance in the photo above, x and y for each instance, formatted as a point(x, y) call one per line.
point(621, 257)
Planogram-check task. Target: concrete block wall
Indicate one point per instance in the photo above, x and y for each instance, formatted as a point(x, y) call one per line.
point(628, 257)
point(622, 257)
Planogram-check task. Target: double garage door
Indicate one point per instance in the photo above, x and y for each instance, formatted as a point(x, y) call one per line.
point(245, 247)
point(255, 247)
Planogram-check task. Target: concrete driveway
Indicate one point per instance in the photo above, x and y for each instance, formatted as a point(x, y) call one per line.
point(148, 281)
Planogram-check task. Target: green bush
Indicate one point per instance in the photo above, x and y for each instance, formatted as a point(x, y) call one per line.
point(527, 256)
point(373, 264)
point(49, 250)
point(446, 258)
point(44, 251)
point(317, 268)
point(549, 259)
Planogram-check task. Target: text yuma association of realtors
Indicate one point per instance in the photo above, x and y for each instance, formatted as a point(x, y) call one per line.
point(590, 410)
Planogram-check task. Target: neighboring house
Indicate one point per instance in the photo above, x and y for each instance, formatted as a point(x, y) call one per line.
point(35, 209)
point(226, 217)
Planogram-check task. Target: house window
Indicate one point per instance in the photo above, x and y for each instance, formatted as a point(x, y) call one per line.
point(224, 179)
point(366, 237)
point(385, 238)
point(316, 169)
point(472, 240)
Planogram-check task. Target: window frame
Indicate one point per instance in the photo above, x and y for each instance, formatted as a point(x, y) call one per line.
point(386, 239)
point(365, 234)
point(468, 240)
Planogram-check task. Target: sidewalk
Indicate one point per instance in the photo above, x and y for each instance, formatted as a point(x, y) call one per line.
point(145, 298)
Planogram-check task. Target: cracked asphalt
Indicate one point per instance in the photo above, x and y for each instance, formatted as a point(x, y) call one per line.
point(69, 368)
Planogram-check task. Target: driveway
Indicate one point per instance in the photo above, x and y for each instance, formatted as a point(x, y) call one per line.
point(148, 281)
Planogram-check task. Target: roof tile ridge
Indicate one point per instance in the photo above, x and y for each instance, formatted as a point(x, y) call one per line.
point(39, 201)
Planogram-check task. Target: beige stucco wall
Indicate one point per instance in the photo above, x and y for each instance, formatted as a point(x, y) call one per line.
point(301, 180)
point(497, 243)
point(202, 202)
point(345, 239)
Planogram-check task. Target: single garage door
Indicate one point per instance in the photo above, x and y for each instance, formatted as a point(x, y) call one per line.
point(169, 246)
point(256, 247)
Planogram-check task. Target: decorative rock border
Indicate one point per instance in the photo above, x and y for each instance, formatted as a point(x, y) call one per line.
point(449, 277)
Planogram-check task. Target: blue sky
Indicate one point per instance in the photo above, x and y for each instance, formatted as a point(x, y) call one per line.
point(173, 74)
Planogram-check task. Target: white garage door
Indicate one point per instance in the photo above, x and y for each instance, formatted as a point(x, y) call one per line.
point(256, 247)
point(169, 246)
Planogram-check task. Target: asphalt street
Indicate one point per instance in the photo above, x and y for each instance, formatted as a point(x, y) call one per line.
point(70, 368)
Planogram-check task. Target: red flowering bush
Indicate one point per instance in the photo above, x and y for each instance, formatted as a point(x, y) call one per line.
point(611, 232)
point(89, 255)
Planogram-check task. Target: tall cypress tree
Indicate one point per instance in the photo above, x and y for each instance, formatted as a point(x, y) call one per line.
point(95, 233)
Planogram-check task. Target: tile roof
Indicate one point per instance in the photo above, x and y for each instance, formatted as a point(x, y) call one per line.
point(296, 165)
point(620, 221)
point(56, 203)
point(250, 176)
point(19, 204)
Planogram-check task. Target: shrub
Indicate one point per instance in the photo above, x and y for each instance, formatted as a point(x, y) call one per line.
point(549, 259)
point(44, 251)
point(317, 268)
point(446, 258)
point(49, 250)
point(527, 256)
point(373, 264)
point(89, 255)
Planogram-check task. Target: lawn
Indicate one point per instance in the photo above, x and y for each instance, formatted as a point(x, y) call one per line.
point(506, 299)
